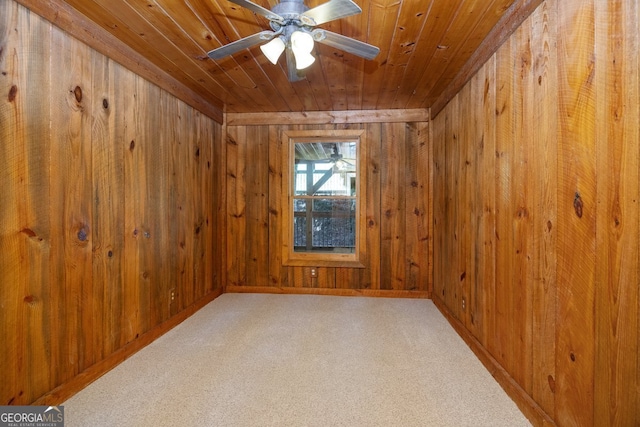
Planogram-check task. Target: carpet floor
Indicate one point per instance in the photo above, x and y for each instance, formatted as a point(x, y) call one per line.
point(301, 360)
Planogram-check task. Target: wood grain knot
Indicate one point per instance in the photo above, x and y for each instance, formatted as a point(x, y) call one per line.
point(549, 225)
point(28, 232)
point(12, 93)
point(197, 152)
point(77, 92)
point(110, 254)
point(82, 235)
point(132, 145)
point(572, 357)
point(552, 383)
point(463, 275)
point(105, 103)
point(578, 205)
point(30, 299)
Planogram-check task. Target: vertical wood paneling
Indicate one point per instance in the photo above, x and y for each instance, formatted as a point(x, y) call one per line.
point(205, 257)
point(505, 333)
point(188, 218)
point(24, 207)
point(370, 275)
point(155, 206)
point(173, 255)
point(439, 194)
point(521, 207)
point(397, 214)
point(617, 277)
point(482, 299)
point(451, 227)
point(257, 209)
point(108, 212)
point(393, 250)
point(277, 272)
point(575, 339)
point(562, 316)
point(218, 245)
point(347, 278)
point(126, 129)
point(465, 204)
point(134, 194)
point(487, 169)
point(139, 199)
point(87, 219)
point(71, 207)
point(543, 113)
point(417, 207)
point(236, 148)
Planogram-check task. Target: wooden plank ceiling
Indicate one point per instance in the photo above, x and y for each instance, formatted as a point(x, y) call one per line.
point(423, 46)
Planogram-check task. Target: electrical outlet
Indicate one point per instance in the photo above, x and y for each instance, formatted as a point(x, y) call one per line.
point(314, 272)
point(464, 303)
point(173, 294)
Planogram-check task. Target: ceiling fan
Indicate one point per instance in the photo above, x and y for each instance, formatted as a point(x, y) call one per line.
point(294, 32)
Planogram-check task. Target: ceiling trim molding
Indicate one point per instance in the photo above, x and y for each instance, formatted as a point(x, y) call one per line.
point(518, 12)
point(328, 117)
point(65, 17)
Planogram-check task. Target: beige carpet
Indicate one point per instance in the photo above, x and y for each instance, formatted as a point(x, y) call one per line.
point(301, 360)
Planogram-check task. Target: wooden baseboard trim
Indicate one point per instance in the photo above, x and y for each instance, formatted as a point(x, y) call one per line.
point(89, 375)
point(534, 413)
point(328, 291)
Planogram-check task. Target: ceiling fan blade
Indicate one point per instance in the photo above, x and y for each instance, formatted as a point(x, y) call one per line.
point(292, 72)
point(345, 43)
point(238, 45)
point(259, 10)
point(332, 10)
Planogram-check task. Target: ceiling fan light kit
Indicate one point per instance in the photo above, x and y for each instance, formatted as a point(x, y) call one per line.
point(293, 25)
point(302, 45)
point(273, 49)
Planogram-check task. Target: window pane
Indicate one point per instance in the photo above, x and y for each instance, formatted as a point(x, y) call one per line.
point(332, 226)
point(299, 205)
point(300, 232)
point(325, 169)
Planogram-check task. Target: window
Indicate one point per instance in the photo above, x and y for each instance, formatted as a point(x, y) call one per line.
point(324, 198)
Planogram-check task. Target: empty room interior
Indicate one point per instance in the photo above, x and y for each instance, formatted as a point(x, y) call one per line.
point(328, 212)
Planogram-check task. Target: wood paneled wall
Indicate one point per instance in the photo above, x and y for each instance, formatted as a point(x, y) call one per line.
point(536, 190)
point(111, 200)
point(398, 214)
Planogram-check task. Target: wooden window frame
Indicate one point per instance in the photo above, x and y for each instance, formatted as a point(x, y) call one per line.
point(323, 259)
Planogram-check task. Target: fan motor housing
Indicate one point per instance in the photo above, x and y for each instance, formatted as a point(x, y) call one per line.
point(290, 9)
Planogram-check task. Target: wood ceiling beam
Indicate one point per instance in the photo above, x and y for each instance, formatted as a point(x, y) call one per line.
point(65, 17)
point(328, 117)
point(510, 21)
